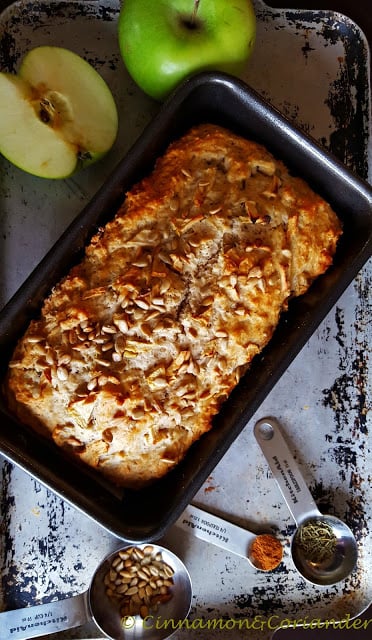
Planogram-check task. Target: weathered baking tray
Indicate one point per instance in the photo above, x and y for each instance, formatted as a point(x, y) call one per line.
point(147, 514)
point(313, 66)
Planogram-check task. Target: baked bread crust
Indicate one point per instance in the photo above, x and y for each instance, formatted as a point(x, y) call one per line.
point(139, 345)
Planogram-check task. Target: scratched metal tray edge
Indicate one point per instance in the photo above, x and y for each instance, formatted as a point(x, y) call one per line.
point(354, 36)
point(61, 256)
point(259, 635)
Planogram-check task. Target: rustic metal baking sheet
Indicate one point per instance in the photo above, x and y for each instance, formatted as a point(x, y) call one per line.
point(314, 66)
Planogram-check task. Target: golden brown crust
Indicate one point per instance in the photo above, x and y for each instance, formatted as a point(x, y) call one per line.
point(138, 347)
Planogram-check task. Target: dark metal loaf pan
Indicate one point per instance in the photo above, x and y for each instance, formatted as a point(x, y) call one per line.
point(145, 515)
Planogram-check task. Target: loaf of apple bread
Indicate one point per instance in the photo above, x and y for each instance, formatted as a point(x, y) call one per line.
point(139, 345)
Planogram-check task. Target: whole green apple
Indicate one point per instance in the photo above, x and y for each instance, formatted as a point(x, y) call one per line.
point(57, 114)
point(163, 42)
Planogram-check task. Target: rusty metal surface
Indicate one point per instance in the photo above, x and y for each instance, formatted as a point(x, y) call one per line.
point(313, 66)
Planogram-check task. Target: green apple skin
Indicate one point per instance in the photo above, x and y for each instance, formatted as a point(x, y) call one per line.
point(57, 115)
point(161, 46)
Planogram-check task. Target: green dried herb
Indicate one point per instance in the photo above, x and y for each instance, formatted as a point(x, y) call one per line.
point(317, 540)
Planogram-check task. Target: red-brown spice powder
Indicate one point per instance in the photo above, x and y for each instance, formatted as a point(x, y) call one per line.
point(266, 552)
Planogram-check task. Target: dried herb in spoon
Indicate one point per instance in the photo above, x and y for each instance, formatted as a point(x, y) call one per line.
point(317, 540)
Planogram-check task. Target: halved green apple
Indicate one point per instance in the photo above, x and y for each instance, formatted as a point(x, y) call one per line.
point(56, 115)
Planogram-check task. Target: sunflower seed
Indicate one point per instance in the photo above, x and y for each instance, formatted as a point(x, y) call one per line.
point(62, 373)
point(108, 329)
point(134, 587)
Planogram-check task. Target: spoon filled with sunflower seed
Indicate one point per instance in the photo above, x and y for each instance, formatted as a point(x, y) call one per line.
point(131, 588)
point(323, 547)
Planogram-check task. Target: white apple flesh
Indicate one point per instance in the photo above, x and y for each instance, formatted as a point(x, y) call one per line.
point(56, 115)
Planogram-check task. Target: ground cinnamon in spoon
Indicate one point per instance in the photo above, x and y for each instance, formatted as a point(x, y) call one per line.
point(265, 552)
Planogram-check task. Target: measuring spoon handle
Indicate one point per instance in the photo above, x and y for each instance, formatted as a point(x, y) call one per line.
point(215, 530)
point(285, 470)
point(43, 619)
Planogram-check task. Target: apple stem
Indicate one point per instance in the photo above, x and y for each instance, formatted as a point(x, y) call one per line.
point(195, 11)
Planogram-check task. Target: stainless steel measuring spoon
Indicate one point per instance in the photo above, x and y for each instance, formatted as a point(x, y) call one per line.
point(222, 534)
point(336, 543)
point(94, 604)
